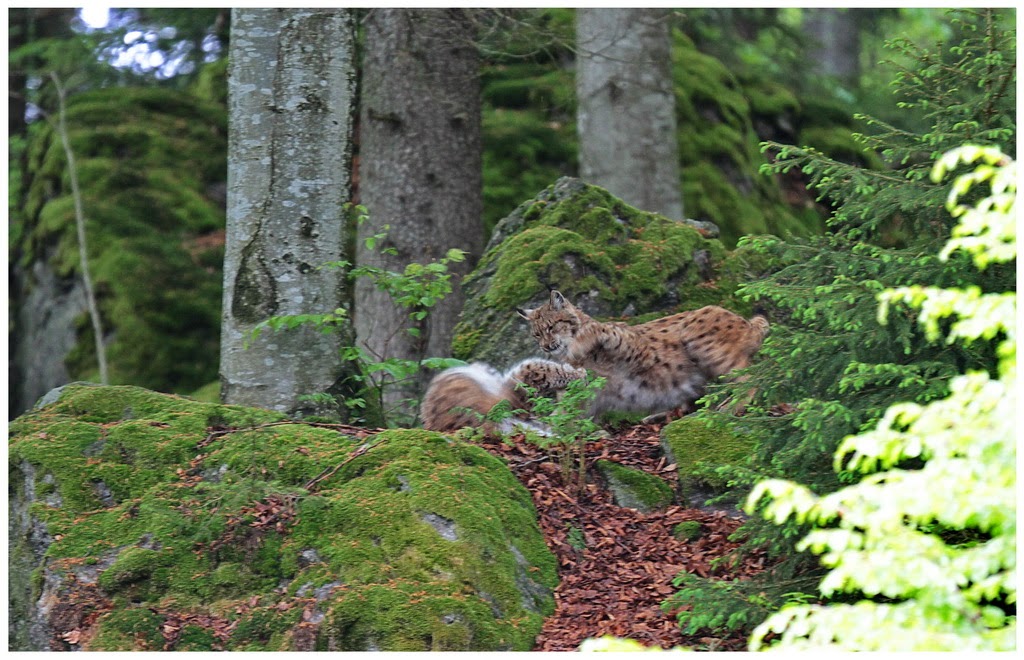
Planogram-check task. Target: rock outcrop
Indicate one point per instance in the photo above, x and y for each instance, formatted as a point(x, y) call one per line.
point(151, 167)
point(143, 521)
point(612, 260)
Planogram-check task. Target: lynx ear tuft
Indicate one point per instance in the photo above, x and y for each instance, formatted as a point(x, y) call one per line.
point(557, 300)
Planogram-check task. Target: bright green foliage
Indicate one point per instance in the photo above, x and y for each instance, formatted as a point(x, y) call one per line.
point(829, 369)
point(890, 536)
point(611, 644)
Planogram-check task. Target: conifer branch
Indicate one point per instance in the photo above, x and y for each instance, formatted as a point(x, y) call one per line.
point(76, 194)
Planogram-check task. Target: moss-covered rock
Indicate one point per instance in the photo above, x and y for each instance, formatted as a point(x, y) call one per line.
point(155, 522)
point(688, 530)
point(151, 164)
point(611, 259)
point(719, 150)
point(697, 449)
point(635, 489)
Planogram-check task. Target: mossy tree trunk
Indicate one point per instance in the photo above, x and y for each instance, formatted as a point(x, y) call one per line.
point(420, 171)
point(626, 107)
point(290, 100)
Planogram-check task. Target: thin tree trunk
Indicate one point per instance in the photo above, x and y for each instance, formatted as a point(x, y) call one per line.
point(834, 35)
point(290, 96)
point(420, 170)
point(83, 252)
point(626, 107)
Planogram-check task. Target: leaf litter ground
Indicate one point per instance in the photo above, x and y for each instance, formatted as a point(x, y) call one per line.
point(617, 564)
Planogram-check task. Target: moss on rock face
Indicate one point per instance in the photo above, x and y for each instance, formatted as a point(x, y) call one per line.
point(635, 488)
point(697, 449)
point(720, 154)
point(610, 258)
point(227, 525)
point(688, 530)
point(151, 165)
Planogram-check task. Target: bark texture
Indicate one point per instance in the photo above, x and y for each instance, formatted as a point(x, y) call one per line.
point(834, 36)
point(290, 99)
point(626, 114)
point(420, 169)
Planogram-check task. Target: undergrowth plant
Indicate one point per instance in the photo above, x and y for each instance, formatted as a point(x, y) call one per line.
point(925, 542)
point(571, 428)
point(829, 369)
point(567, 420)
point(418, 288)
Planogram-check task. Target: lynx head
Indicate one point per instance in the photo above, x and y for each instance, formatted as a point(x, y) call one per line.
point(554, 324)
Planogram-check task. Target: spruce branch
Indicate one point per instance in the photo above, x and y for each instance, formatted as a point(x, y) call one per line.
point(76, 194)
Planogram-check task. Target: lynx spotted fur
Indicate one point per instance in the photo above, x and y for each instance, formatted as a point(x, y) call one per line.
point(651, 367)
point(460, 396)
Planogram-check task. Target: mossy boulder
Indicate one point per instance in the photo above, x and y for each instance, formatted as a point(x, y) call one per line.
point(145, 521)
point(634, 488)
point(698, 449)
point(612, 260)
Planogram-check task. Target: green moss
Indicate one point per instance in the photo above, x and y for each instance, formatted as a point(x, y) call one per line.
point(591, 241)
point(196, 638)
point(265, 629)
point(698, 449)
point(688, 530)
point(720, 159)
point(147, 160)
point(414, 616)
point(635, 488)
point(770, 99)
point(465, 340)
point(129, 629)
point(206, 523)
point(559, 257)
point(209, 393)
point(135, 565)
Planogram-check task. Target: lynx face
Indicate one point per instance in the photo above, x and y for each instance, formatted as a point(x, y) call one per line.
point(554, 325)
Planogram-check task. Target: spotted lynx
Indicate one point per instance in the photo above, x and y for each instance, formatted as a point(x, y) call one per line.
point(460, 396)
point(651, 367)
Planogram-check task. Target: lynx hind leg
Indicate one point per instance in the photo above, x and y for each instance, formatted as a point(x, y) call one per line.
point(720, 341)
point(738, 405)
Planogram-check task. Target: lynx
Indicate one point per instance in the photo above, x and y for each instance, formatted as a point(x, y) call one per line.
point(461, 396)
point(653, 367)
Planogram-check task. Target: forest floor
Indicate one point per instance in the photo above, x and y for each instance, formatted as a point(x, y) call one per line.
point(617, 564)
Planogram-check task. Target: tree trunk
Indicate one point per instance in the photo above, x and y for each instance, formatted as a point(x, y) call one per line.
point(834, 37)
point(626, 115)
point(290, 98)
point(420, 171)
